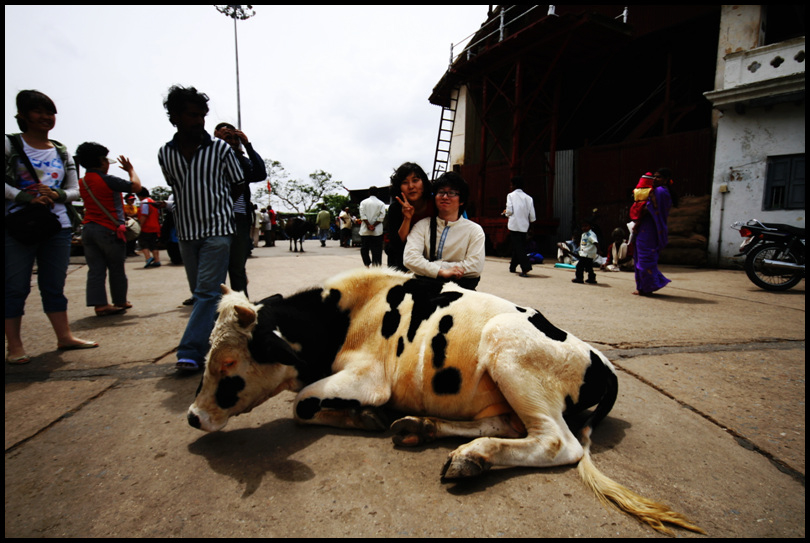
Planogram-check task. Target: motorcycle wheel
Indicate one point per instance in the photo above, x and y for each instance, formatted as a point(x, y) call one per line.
point(771, 279)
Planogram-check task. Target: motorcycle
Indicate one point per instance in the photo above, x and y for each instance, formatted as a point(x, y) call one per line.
point(774, 254)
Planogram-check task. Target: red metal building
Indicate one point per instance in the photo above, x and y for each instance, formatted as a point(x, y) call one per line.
point(581, 100)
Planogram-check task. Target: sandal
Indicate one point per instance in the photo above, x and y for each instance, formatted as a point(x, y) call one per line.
point(187, 364)
point(18, 360)
point(78, 346)
point(112, 310)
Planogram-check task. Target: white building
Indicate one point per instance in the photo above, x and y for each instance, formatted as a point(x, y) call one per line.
point(760, 119)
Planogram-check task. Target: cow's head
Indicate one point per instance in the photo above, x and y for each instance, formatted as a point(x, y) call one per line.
point(234, 382)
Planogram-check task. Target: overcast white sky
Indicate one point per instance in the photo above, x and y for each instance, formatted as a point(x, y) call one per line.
point(337, 88)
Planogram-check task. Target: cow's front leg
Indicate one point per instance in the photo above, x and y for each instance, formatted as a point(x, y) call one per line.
point(412, 431)
point(347, 399)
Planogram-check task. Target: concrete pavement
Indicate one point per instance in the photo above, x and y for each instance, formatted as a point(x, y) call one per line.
point(710, 420)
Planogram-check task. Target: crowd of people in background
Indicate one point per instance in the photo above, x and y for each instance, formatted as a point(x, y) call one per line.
point(210, 226)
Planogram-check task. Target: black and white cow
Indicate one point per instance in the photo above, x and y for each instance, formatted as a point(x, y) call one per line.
point(296, 230)
point(461, 363)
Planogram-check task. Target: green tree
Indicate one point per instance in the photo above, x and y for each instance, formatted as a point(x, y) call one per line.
point(335, 203)
point(301, 196)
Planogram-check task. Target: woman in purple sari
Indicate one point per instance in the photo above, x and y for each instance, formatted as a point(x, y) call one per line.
point(651, 235)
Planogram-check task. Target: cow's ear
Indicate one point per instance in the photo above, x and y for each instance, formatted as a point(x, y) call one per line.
point(245, 315)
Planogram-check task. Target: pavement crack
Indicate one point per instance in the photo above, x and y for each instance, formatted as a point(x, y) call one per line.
point(741, 440)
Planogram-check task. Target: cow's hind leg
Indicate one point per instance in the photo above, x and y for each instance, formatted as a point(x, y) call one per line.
point(412, 431)
point(548, 443)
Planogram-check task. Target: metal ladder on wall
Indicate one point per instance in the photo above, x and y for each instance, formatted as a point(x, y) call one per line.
point(442, 157)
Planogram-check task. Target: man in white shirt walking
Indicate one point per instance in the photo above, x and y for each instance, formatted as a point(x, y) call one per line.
point(520, 210)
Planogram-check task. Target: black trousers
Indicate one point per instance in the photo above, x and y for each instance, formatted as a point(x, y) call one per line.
point(371, 248)
point(585, 264)
point(519, 255)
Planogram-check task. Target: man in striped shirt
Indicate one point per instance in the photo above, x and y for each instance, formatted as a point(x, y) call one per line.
point(202, 171)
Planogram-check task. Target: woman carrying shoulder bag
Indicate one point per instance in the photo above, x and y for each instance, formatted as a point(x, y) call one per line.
point(39, 172)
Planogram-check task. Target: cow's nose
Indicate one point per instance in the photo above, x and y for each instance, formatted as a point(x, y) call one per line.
point(194, 420)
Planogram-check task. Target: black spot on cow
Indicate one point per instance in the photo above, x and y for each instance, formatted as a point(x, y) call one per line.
point(392, 317)
point(521, 309)
point(395, 296)
point(427, 298)
point(295, 318)
point(334, 297)
point(599, 388)
point(446, 324)
point(439, 345)
point(306, 409)
point(228, 391)
point(447, 381)
point(390, 323)
point(400, 346)
point(542, 324)
point(439, 341)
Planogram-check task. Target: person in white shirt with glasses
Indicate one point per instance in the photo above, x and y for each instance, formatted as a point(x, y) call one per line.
point(447, 247)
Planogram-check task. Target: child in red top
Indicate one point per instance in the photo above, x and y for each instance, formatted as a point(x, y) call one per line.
point(149, 217)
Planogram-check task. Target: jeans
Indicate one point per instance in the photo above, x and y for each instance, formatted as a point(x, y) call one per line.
point(206, 262)
point(52, 258)
point(240, 248)
point(104, 251)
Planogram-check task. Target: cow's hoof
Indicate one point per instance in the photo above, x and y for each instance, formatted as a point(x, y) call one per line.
point(459, 467)
point(413, 431)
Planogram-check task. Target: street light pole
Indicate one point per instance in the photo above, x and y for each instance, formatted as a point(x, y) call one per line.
point(237, 13)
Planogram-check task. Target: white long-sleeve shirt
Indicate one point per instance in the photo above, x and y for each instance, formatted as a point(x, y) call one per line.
point(463, 246)
point(520, 210)
point(372, 211)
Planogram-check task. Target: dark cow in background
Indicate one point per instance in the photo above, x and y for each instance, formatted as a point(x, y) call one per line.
point(462, 363)
point(296, 230)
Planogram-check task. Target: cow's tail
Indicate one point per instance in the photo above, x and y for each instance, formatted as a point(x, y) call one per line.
point(657, 515)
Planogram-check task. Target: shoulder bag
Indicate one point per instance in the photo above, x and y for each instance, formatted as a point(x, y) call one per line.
point(128, 230)
point(34, 223)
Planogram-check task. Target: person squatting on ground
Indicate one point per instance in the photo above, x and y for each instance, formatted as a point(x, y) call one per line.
point(447, 246)
point(413, 201)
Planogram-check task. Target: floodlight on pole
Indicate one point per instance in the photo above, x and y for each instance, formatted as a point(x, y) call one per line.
point(239, 13)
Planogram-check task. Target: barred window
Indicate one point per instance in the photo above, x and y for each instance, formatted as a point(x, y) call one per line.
point(784, 185)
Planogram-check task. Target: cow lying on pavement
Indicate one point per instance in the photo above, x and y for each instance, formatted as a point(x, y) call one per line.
point(463, 363)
